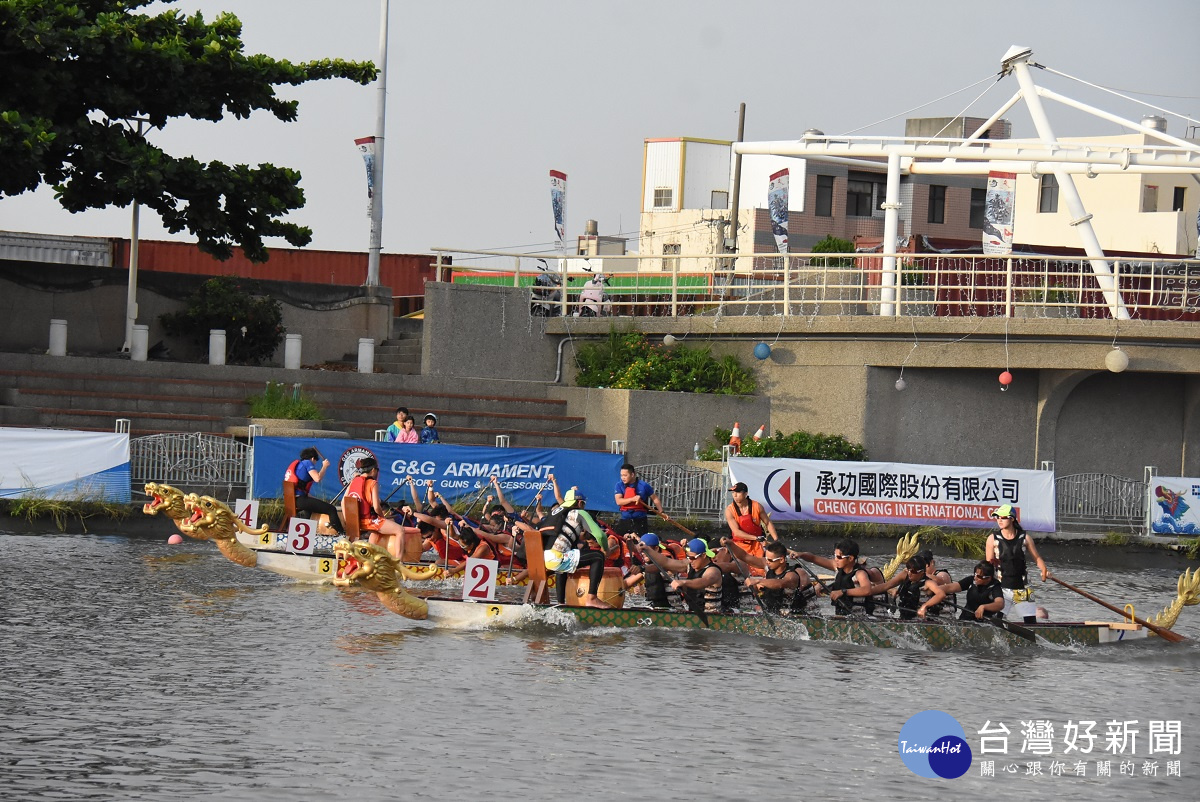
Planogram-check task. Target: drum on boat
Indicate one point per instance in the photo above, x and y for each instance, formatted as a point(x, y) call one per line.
point(612, 588)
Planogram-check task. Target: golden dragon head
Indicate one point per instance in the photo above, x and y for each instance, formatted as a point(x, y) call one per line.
point(207, 519)
point(165, 499)
point(372, 568)
point(365, 564)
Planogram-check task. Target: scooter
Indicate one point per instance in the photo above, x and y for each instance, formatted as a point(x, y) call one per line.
point(546, 293)
point(592, 301)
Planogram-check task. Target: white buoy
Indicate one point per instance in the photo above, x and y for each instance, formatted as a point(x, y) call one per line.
point(1116, 360)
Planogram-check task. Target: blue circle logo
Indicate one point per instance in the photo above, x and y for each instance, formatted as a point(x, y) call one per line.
point(933, 744)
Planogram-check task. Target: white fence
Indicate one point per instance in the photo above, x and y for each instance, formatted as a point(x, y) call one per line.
point(806, 284)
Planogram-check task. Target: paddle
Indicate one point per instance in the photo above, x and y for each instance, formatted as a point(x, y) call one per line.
point(1162, 632)
point(675, 523)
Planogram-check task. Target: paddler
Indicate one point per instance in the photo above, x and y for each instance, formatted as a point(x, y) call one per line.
point(850, 590)
point(1006, 550)
point(372, 518)
point(572, 527)
point(701, 590)
point(984, 596)
point(304, 472)
point(782, 588)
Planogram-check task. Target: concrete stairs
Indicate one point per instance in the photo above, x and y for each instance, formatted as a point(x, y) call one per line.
point(402, 357)
point(90, 393)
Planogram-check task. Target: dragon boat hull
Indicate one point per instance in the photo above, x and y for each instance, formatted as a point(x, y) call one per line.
point(319, 567)
point(938, 636)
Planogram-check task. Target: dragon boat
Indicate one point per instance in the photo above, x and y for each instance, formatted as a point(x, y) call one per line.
point(369, 567)
point(207, 518)
point(937, 635)
point(372, 568)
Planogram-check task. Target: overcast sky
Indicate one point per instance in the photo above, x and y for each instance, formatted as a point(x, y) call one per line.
point(486, 97)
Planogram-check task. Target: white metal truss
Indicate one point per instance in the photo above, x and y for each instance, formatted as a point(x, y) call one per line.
point(977, 156)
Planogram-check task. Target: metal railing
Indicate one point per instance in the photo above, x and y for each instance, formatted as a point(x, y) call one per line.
point(807, 284)
point(1100, 499)
point(199, 462)
point(684, 490)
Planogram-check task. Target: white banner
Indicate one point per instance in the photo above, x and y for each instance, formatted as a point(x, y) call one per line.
point(895, 492)
point(65, 465)
point(366, 146)
point(777, 201)
point(558, 204)
point(998, 211)
point(1175, 505)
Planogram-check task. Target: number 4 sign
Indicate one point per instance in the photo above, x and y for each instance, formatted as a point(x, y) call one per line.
point(246, 510)
point(479, 580)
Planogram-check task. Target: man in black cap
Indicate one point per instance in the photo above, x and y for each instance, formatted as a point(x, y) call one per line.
point(749, 524)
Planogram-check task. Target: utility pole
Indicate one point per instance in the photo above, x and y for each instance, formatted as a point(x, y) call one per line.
point(377, 178)
point(737, 182)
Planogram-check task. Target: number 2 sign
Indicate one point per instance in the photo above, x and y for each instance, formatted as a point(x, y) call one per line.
point(479, 580)
point(300, 536)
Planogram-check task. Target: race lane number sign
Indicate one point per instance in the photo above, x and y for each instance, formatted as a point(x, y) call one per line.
point(246, 511)
point(479, 580)
point(301, 536)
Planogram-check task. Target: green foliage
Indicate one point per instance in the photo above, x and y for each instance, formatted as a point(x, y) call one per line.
point(253, 324)
point(832, 244)
point(37, 507)
point(76, 74)
point(276, 401)
point(966, 542)
point(797, 445)
point(628, 361)
point(1190, 547)
point(1115, 539)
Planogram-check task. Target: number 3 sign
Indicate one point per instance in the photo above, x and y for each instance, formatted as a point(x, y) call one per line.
point(300, 538)
point(479, 580)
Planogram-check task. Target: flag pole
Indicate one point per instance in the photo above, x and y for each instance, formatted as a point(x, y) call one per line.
point(377, 177)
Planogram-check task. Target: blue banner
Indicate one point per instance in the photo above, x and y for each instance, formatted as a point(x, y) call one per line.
point(459, 473)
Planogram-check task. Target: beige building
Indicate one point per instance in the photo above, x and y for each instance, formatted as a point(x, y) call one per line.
point(1141, 213)
point(687, 189)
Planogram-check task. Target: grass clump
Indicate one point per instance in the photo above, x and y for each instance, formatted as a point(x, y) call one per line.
point(34, 508)
point(276, 401)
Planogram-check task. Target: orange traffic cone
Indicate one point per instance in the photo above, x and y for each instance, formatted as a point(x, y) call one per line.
point(761, 431)
point(735, 438)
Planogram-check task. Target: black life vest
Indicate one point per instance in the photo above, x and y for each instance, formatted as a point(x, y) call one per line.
point(1012, 572)
point(908, 597)
point(978, 596)
point(848, 604)
point(773, 600)
point(709, 599)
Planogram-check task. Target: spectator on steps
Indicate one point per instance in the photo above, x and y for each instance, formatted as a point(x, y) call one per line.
point(408, 432)
point(393, 431)
point(430, 433)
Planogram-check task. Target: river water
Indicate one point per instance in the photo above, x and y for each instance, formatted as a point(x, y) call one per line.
point(131, 669)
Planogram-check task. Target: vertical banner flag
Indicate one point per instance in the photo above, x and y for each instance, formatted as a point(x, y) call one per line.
point(998, 209)
point(777, 200)
point(558, 202)
point(1174, 502)
point(366, 146)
